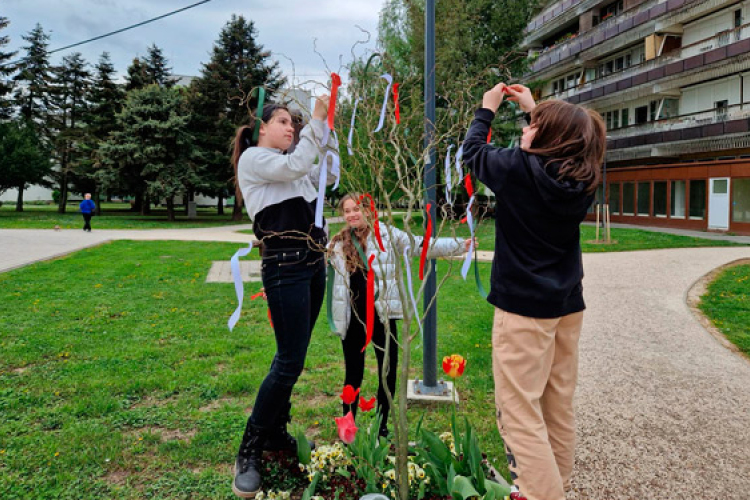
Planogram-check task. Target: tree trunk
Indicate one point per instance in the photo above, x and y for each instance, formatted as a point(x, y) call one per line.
point(19, 201)
point(137, 203)
point(97, 201)
point(63, 191)
point(220, 206)
point(146, 205)
point(109, 196)
point(170, 209)
point(237, 213)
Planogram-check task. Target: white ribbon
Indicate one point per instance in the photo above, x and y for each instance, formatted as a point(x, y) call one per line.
point(448, 180)
point(459, 157)
point(323, 178)
point(387, 77)
point(411, 288)
point(470, 253)
point(351, 127)
point(238, 286)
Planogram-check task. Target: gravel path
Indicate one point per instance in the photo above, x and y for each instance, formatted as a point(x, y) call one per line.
point(663, 408)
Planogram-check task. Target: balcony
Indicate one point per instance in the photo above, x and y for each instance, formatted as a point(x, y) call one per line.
point(696, 60)
point(561, 12)
point(712, 130)
point(663, 16)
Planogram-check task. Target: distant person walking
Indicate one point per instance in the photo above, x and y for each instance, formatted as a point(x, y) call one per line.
point(87, 208)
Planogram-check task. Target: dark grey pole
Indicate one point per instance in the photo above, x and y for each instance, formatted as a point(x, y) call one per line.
point(430, 322)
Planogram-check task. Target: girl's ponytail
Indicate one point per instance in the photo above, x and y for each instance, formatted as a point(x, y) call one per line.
point(243, 139)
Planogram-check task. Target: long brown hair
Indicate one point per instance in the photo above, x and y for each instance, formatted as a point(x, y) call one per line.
point(351, 255)
point(572, 136)
point(243, 138)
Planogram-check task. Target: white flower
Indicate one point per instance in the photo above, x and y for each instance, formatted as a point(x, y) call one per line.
point(390, 474)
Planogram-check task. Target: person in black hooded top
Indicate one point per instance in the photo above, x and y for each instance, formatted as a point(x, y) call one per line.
point(543, 190)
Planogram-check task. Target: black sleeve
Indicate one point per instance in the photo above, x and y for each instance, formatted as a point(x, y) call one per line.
point(489, 164)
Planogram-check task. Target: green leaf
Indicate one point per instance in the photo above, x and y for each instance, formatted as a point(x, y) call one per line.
point(303, 448)
point(463, 488)
point(500, 490)
point(343, 472)
point(436, 447)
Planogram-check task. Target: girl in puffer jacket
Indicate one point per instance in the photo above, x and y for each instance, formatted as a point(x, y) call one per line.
point(350, 293)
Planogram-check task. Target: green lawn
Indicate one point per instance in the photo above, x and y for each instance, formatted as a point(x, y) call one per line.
point(114, 216)
point(727, 305)
point(119, 377)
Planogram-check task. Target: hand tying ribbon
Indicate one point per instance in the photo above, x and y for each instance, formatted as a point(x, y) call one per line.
point(425, 242)
point(387, 77)
point(376, 222)
point(370, 301)
point(395, 102)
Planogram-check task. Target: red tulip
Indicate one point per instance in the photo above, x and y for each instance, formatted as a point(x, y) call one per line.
point(366, 405)
point(349, 395)
point(347, 428)
point(454, 365)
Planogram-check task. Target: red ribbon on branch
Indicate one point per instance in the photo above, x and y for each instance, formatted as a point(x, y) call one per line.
point(395, 101)
point(260, 294)
point(425, 242)
point(376, 222)
point(370, 301)
point(489, 136)
point(469, 186)
point(335, 84)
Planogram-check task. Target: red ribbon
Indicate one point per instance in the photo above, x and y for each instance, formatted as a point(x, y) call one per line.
point(395, 101)
point(376, 222)
point(489, 136)
point(260, 294)
point(370, 301)
point(425, 242)
point(335, 83)
point(469, 186)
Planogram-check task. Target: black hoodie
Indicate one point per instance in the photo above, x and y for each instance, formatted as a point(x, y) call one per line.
point(537, 267)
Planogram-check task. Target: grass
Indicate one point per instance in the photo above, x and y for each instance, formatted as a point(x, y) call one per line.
point(119, 378)
point(727, 304)
point(114, 216)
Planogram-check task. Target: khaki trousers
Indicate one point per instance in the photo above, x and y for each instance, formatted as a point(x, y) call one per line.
point(535, 365)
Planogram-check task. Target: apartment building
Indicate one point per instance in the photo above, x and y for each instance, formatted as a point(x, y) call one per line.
point(672, 80)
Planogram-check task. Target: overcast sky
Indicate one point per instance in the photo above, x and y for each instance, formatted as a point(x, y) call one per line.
point(287, 28)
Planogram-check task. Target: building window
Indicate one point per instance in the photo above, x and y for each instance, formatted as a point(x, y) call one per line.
point(625, 118)
point(721, 109)
point(641, 115)
point(741, 200)
point(698, 199)
point(614, 198)
point(628, 198)
point(738, 18)
point(660, 199)
point(654, 108)
point(670, 108)
point(644, 198)
point(677, 205)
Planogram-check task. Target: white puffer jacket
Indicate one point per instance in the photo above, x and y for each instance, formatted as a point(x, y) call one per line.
point(388, 304)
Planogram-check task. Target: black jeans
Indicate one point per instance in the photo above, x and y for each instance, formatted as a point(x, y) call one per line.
point(354, 360)
point(295, 281)
point(86, 222)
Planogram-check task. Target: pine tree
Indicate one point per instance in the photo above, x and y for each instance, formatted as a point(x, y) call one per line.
point(6, 69)
point(105, 100)
point(157, 70)
point(151, 151)
point(68, 106)
point(32, 89)
point(137, 76)
point(219, 99)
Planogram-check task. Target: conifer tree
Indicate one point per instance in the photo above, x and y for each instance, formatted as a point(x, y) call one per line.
point(32, 80)
point(6, 69)
point(219, 99)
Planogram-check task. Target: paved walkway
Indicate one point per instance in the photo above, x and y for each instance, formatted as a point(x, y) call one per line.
point(662, 406)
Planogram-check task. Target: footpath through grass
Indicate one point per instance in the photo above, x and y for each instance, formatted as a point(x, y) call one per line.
point(119, 378)
point(114, 216)
point(727, 305)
